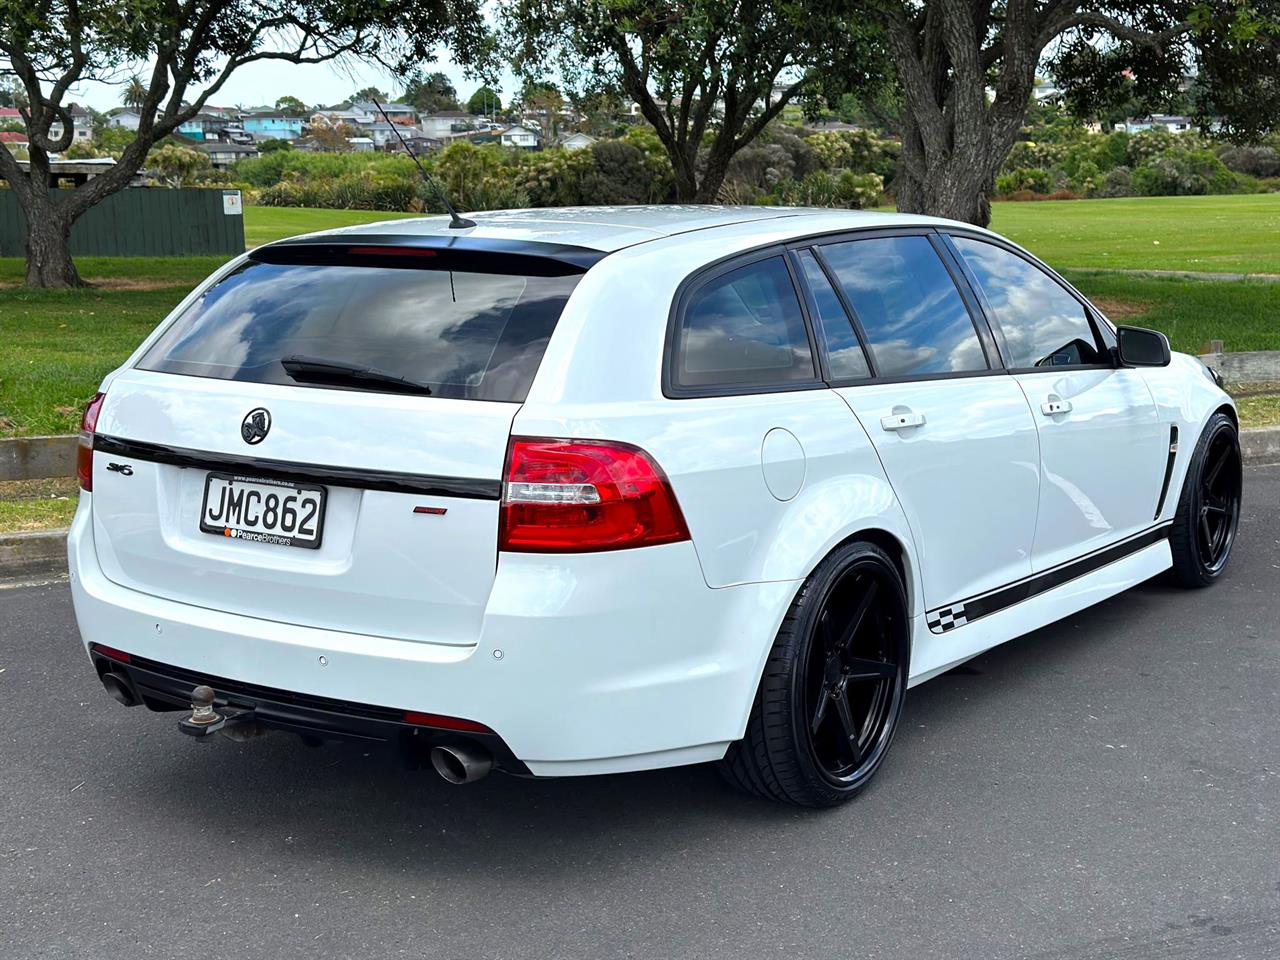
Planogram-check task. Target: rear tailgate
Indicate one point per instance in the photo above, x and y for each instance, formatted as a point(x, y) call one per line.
point(381, 568)
point(242, 465)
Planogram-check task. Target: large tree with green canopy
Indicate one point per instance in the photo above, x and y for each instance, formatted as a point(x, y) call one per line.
point(964, 72)
point(709, 75)
point(183, 52)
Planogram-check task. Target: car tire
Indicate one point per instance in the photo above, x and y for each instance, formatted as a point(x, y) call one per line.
point(1208, 514)
point(839, 664)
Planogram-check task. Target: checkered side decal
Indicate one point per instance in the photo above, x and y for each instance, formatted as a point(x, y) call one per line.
point(947, 618)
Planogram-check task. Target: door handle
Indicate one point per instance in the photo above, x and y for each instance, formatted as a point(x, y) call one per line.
point(902, 421)
point(1055, 406)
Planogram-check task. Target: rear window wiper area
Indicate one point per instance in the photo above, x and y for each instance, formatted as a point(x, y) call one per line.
point(340, 373)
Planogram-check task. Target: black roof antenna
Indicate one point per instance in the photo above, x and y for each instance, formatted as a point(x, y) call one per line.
point(455, 222)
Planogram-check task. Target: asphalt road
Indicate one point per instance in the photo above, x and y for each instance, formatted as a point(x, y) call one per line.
point(1105, 789)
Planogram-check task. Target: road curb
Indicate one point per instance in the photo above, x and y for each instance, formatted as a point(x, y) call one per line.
point(1260, 445)
point(42, 555)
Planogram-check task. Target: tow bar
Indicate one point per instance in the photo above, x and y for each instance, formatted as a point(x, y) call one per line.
point(234, 723)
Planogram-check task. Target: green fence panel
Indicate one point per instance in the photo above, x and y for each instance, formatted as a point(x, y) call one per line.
point(142, 222)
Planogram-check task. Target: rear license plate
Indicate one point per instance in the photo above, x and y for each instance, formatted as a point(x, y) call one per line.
point(263, 511)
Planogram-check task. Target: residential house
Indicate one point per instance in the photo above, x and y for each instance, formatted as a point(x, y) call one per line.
point(398, 112)
point(446, 123)
point(223, 155)
point(342, 113)
point(126, 118)
point(203, 126)
point(418, 145)
point(12, 140)
point(383, 133)
point(81, 125)
point(1157, 121)
point(361, 144)
point(575, 141)
point(272, 126)
point(518, 136)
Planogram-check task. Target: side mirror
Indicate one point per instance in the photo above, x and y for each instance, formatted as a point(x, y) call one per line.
point(1138, 347)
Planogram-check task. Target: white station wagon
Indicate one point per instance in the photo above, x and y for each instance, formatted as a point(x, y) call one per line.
point(585, 491)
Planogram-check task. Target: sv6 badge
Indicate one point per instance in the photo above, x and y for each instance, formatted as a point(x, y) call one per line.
point(121, 468)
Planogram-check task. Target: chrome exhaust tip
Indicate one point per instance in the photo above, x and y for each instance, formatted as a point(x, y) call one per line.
point(462, 763)
point(119, 689)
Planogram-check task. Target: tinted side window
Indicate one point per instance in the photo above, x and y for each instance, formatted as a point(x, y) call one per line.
point(910, 310)
point(744, 328)
point(1039, 323)
point(844, 352)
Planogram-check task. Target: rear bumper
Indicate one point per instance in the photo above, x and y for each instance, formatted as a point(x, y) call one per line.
point(585, 664)
point(162, 686)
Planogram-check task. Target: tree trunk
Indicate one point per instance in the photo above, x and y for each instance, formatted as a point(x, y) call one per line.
point(954, 185)
point(955, 190)
point(49, 262)
point(717, 169)
point(686, 180)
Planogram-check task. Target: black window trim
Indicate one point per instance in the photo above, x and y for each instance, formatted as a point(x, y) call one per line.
point(995, 363)
point(694, 282)
point(1091, 315)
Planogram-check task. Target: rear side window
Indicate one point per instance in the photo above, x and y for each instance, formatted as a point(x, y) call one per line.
point(744, 329)
point(460, 334)
point(914, 319)
point(1040, 324)
point(844, 351)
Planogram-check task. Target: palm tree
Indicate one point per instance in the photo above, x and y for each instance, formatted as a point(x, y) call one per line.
point(135, 93)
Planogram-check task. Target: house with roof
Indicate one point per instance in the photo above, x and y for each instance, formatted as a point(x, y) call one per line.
point(518, 136)
point(223, 155)
point(1157, 121)
point(447, 123)
point(575, 141)
point(125, 118)
point(81, 124)
point(417, 144)
point(203, 126)
point(272, 125)
point(398, 112)
point(333, 116)
point(13, 140)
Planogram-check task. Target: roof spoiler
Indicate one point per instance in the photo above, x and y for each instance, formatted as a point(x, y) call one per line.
point(433, 252)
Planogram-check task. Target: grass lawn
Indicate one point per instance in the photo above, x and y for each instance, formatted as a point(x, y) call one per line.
point(37, 504)
point(1232, 234)
point(1243, 314)
point(264, 224)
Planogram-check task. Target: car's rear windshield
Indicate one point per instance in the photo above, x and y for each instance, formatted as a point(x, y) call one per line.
point(460, 333)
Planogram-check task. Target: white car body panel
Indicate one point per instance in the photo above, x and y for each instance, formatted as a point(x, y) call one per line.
point(1103, 460)
point(977, 448)
point(630, 659)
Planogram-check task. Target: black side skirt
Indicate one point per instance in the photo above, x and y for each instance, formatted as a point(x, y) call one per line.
point(966, 611)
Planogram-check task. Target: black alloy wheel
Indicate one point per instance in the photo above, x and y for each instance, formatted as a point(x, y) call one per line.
point(852, 676)
point(833, 687)
point(1208, 517)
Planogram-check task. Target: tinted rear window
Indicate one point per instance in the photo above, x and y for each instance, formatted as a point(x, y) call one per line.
point(464, 334)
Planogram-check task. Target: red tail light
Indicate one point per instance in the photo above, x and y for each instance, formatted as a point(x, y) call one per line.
point(572, 496)
point(84, 452)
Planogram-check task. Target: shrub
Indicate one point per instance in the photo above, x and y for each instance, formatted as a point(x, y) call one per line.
point(1117, 182)
point(1255, 161)
point(1025, 178)
point(618, 175)
point(825, 189)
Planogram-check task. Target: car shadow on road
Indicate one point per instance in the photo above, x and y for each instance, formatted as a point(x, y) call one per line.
point(358, 804)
